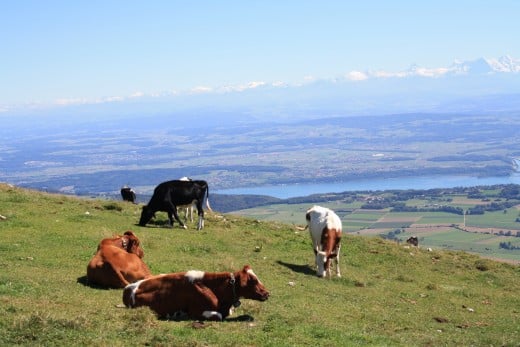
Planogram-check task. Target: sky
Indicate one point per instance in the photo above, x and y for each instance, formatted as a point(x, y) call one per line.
point(58, 52)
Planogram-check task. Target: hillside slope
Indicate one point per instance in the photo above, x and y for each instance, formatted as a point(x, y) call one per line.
point(388, 295)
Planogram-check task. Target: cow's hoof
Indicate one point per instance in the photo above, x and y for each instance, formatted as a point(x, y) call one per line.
point(184, 227)
point(198, 325)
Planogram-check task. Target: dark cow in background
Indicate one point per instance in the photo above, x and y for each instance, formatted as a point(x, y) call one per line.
point(413, 240)
point(196, 294)
point(167, 196)
point(128, 194)
point(117, 262)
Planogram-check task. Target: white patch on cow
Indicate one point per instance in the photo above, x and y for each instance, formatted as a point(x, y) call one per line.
point(133, 288)
point(194, 275)
point(320, 220)
point(211, 314)
point(250, 272)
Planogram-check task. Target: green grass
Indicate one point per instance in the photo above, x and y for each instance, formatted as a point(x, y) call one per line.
point(389, 295)
point(496, 219)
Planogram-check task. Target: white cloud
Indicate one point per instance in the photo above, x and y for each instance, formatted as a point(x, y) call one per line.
point(425, 72)
point(201, 89)
point(386, 74)
point(356, 76)
point(137, 95)
point(70, 101)
point(112, 99)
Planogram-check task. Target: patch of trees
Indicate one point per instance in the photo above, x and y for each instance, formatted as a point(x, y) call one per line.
point(467, 157)
point(227, 203)
point(508, 246)
point(510, 191)
point(441, 208)
point(492, 207)
point(346, 197)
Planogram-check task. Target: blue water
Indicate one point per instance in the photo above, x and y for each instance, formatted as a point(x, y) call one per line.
point(424, 182)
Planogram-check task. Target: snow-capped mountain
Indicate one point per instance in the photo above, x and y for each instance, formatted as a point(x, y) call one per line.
point(480, 85)
point(505, 64)
point(481, 66)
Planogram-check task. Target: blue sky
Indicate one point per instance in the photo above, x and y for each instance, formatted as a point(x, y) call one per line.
point(86, 50)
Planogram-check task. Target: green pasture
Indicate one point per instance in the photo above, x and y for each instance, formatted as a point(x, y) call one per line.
point(388, 295)
point(439, 218)
point(486, 245)
point(496, 220)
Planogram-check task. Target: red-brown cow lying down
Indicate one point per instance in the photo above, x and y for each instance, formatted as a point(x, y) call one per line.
point(197, 294)
point(117, 262)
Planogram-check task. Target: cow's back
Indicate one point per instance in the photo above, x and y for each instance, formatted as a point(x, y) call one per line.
point(113, 267)
point(164, 294)
point(178, 192)
point(321, 218)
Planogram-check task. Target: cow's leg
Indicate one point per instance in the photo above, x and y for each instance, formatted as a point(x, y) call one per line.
point(338, 273)
point(176, 216)
point(114, 276)
point(204, 304)
point(200, 212)
point(190, 210)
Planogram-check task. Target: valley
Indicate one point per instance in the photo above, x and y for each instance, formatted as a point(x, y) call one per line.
point(98, 156)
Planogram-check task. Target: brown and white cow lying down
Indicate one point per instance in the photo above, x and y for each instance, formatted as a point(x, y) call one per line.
point(195, 294)
point(117, 262)
point(325, 228)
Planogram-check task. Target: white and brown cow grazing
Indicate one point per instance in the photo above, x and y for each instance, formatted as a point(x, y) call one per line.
point(195, 294)
point(117, 262)
point(326, 230)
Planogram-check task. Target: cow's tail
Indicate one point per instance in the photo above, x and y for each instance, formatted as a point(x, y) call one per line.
point(207, 199)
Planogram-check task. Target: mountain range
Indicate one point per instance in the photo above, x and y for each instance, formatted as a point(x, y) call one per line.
point(480, 85)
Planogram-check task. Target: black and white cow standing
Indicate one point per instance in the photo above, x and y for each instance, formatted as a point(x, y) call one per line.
point(128, 194)
point(168, 195)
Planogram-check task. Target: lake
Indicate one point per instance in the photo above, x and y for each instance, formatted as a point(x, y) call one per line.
point(423, 182)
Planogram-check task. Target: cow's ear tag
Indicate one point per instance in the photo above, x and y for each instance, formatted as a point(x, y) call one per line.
point(237, 303)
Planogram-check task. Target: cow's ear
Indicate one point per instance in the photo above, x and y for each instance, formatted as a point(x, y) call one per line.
point(244, 275)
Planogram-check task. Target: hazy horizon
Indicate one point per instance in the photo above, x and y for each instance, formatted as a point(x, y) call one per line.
point(84, 55)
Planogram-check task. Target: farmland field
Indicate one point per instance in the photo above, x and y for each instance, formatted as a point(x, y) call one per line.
point(477, 233)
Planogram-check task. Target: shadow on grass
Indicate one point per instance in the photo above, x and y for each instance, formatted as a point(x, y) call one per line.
point(303, 269)
point(84, 281)
point(199, 324)
point(159, 224)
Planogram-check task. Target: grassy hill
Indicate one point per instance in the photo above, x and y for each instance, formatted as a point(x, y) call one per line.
point(389, 294)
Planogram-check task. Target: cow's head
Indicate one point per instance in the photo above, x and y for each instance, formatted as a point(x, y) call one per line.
point(322, 262)
point(250, 286)
point(146, 215)
point(133, 244)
